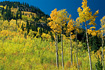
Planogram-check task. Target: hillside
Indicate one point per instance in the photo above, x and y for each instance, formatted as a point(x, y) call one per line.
point(16, 10)
point(32, 16)
point(24, 7)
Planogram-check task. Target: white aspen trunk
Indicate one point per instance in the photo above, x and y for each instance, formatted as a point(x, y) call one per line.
point(71, 49)
point(102, 51)
point(62, 51)
point(88, 47)
point(77, 51)
point(56, 45)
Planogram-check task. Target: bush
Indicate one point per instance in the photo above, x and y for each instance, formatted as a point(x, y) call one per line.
point(98, 64)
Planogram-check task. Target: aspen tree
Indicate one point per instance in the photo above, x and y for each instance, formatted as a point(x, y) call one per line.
point(102, 35)
point(57, 23)
point(56, 29)
point(63, 18)
point(70, 28)
point(86, 15)
point(77, 26)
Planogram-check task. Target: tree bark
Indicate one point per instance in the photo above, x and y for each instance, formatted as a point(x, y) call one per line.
point(88, 47)
point(62, 51)
point(77, 51)
point(71, 49)
point(56, 45)
point(102, 51)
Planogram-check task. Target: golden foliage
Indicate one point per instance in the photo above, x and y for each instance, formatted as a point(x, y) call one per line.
point(77, 25)
point(46, 36)
point(93, 33)
point(72, 36)
point(85, 14)
point(58, 20)
point(92, 27)
point(70, 26)
point(13, 26)
point(1, 6)
point(14, 10)
point(102, 25)
point(29, 13)
point(5, 6)
point(79, 9)
point(5, 25)
point(31, 33)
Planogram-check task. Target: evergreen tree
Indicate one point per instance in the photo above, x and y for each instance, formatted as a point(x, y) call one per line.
point(20, 15)
point(40, 32)
point(2, 12)
point(22, 27)
point(16, 15)
point(52, 38)
point(8, 14)
point(27, 27)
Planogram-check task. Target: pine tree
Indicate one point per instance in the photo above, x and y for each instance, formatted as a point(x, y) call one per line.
point(2, 12)
point(20, 14)
point(27, 27)
point(8, 14)
point(17, 15)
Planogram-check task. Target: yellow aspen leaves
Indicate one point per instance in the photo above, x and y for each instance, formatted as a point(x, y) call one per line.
point(73, 36)
point(78, 30)
point(58, 19)
point(5, 25)
point(46, 36)
point(96, 12)
point(89, 31)
point(93, 33)
point(102, 29)
point(92, 27)
point(86, 15)
point(77, 25)
point(71, 33)
point(48, 18)
point(5, 6)
point(103, 26)
point(70, 26)
point(13, 26)
point(84, 3)
point(103, 23)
